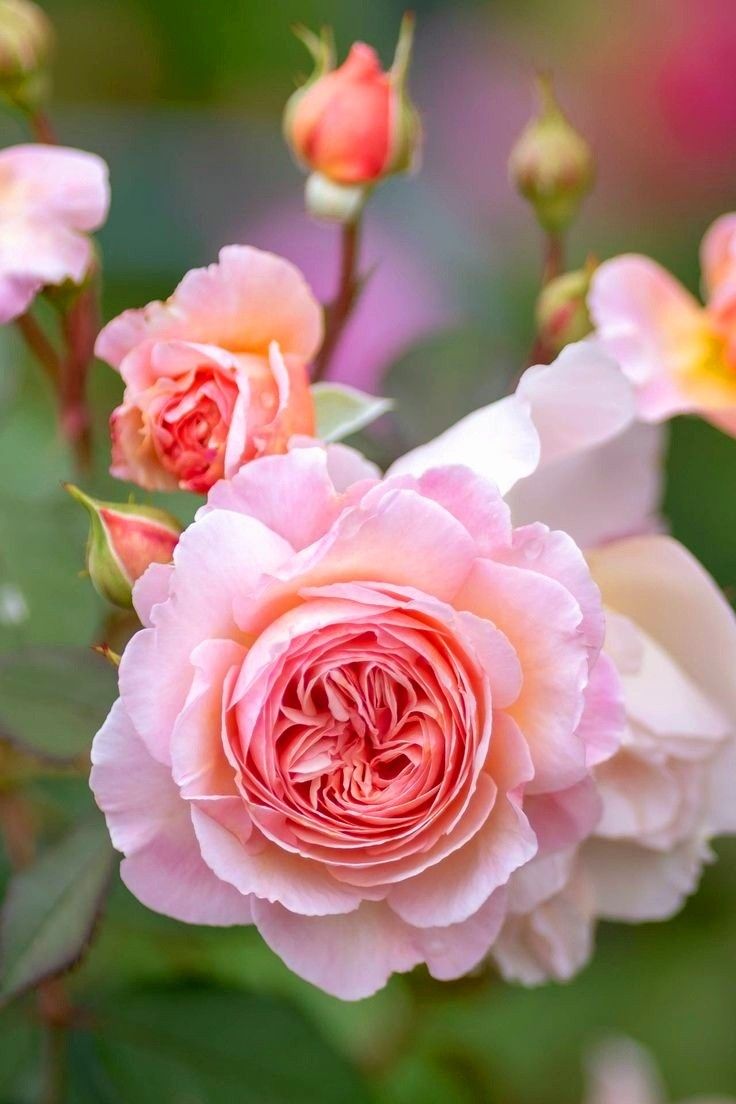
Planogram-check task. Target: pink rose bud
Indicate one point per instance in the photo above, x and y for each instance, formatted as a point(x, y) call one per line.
point(551, 164)
point(26, 41)
point(352, 125)
point(562, 309)
point(124, 539)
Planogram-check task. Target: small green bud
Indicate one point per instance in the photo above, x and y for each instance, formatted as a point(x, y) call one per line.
point(26, 42)
point(551, 164)
point(124, 539)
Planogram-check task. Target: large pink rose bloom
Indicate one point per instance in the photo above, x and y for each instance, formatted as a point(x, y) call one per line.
point(215, 376)
point(680, 355)
point(50, 200)
point(358, 706)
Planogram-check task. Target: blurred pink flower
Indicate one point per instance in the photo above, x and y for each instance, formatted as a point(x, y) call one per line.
point(680, 356)
point(622, 1072)
point(405, 299)
point(216, 375)
point(51, 198)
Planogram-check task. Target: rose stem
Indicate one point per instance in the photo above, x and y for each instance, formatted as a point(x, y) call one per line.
point(42, 128)
point(40, 346)
point(553, 266)
point(80, 324)
point(338, 311)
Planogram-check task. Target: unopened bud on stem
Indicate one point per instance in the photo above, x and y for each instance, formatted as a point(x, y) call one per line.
point(124, 539)
point(551, 164)
point(26, 41)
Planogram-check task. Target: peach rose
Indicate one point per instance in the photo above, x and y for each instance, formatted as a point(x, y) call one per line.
point(358, 706)
point(51, 198)
point(680, 355)
point(216, 375)
point(354, 124)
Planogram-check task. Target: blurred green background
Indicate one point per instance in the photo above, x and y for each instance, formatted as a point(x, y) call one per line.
point(183, 99)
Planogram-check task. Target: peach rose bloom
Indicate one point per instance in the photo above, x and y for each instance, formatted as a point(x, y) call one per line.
point(680, 355)
point(51, 199)
point(358, 705)
point(216, 375)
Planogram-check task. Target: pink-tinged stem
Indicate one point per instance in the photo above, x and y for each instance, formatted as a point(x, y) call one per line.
point(554, 265)
point(80, 324)
point(40, 346)
point(42, 128)
point(338, 312)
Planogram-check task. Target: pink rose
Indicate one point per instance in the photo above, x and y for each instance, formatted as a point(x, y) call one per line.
point(358, 706)
point(622, 1072)
point(354, 124)
point(216, 375)
point(680, 356)
point(50, 200)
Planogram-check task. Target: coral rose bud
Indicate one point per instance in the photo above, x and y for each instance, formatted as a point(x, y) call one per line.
point(26, 40)
point(562, 309)
point(352, 125)
point(551, 164)
point(124, 539)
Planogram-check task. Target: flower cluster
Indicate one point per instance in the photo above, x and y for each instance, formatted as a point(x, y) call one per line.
point(453, 713)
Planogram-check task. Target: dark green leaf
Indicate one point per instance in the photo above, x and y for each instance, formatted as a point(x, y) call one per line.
point(53, 700)
point(203, 1045)
point(50, 909)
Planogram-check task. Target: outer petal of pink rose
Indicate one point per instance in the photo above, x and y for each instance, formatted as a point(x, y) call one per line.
point(604, 715)
point(60, 184)
point(555, 555)
point(399, 537)
point(474, 501)
point(642, 316)
point(460, 884)
point(151, 589)
point(17, 292)
point(156, 670)
point(635, 883)
point(350, 956)
point(150, 823)
point(292, 494)
point(452, 951)
point(564, 818)
point(242, 303)
point(499, 442)
point(579, 401)
point(353, 956)
point(542, 621)
point(555, 940)
point(718, 255)
point(272, 874)
point(664, 590)
point(602, 494)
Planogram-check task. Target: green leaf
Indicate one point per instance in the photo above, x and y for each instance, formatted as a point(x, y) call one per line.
point(50, 909)
point(206, 1045)
point(342, 410)
point(53, 700)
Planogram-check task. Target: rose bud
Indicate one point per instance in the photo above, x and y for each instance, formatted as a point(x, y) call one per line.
point(551, 164)
point(124, 539)
point(352, 125)
point(562, 309)
point(26, 40)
